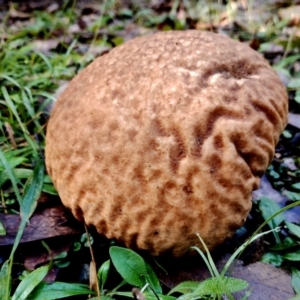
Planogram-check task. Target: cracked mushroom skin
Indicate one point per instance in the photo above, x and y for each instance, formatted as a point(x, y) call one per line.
point(164, 137)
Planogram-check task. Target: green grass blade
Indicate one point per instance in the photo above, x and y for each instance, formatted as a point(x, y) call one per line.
point(27, 102)
point(5, 284)
point(59, 290)
point(241, 249)
point(205, 260)
point(210, 260)
point(2, 231)
point(10, 175)
point(8, 78)
point(13, 108)
point(46, 60)
point(33, 190)
point(28, 284)
point(28, 203)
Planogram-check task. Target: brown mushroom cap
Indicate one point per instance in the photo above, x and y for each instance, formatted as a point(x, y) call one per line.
point(164, 137)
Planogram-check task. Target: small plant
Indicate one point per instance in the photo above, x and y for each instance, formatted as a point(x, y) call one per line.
point(216, 286)
point(135, 271)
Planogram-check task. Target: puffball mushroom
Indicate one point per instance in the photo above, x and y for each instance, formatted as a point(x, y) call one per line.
point(164, 137)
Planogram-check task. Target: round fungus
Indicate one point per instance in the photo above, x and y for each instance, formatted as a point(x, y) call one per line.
point(164, 137)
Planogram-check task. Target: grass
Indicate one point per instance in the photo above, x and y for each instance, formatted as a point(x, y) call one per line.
point(38, 53)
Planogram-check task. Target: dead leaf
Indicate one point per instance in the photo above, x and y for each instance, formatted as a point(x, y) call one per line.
point(50, 222)
point(15, 14)
point(265, 282)
point(137, 294)
point(45, 45)
point(291, 13)
point(11, 134)
point(37, 256)
point(93, 277)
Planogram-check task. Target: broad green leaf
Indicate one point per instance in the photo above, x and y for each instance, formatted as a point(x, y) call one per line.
point(153, 280)
point(294, 229)
point(268, 208)
point(28, 284)
point(296, 185)
point(130, 265)
point(103, 273)
point(210, 286)
point(5, 282)
point(287, 61)
point(47, 179)
point(294, 83)
point(295, 256)
point(296, 280)
point(233, 285)
point(297, 99)
point(59, 290)
point(292, 195)
point(48, 186)
point(287, 243)
point(61, 255)
point(185, 287)
point(2, 230)
point(49, 189)
point(287, 134)
point(272, 258)
point(217, 286)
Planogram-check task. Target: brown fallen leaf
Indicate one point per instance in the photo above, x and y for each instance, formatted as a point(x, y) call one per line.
point(50, 222)
point(291, 13)
point(45, 45)
point(35, 255)
point(265, 282)
point(137, 294)
point(93, 277)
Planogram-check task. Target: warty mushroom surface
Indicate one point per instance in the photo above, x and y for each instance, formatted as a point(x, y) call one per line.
point(164, 137)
